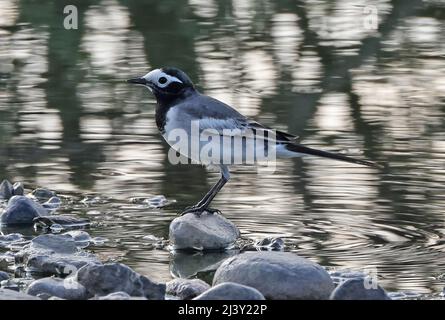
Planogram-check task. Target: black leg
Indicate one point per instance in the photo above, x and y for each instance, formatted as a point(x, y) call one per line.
point(204, 203)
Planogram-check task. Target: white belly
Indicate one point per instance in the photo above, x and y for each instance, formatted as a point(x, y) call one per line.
point(213, 147)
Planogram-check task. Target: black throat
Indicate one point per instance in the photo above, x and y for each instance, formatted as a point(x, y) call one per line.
point(165, 101)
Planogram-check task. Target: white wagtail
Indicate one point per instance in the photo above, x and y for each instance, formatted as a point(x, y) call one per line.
point(179, 105)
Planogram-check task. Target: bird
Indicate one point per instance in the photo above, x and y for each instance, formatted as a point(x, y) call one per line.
point(180, 107)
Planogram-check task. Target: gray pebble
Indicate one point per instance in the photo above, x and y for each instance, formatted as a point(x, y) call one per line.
point(205, 232)
point(6, 190)
point(21, 210)
point(18, 189)
point(102, 280)
point(359, 289)
point(186, 289)
point(231, 291)
point(66, 288)
point(277, 275)
point(42, 194)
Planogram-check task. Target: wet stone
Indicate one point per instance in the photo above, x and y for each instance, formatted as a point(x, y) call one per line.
point(6, 294)
point(11, 239)
point(359, 289)
point(10, 285)
point(53, 255)
point(3, 276)
point(66, 221)
point(205, 232)
point(186, 289)
point(81, 238)
point(231, 291)
point(6, 190)
point(21, 210)
point(54, 243)
point(18, 189)
point(118, 296)
point(43, 194)
point(277, 275)
point(66, 288)
point(53, 203)
point(104, 279)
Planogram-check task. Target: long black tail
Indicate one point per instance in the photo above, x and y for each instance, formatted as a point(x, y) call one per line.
point(306, 150)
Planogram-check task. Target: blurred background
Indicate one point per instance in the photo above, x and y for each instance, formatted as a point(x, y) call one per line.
point(366, 78)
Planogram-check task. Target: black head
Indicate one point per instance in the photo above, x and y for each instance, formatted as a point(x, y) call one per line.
point(165, 83)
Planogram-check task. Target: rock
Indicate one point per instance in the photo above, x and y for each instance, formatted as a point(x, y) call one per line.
point(81, 238)
point(54, 243)
point(205, 232)
point(11, 239)
point(6, 190)
point(6, 294)
point(152, 290)
point(10, 285)
point(66, 221)
point(115, 296)
point(186, 289)
point(62, 288)
point(269, 243)
point(18, 189)
point(42, 194)
point(118, 296)
point(53, 255)
point(112, 277)
point(184, 264)
point(277, 275)
point(57, 264)
point(231, 291)
point(354, 289)
point(43, 296)
point(4, 276)
point(21, 210)
point(53, 203)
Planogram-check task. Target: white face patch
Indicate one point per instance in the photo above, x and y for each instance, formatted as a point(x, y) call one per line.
point(160, 78)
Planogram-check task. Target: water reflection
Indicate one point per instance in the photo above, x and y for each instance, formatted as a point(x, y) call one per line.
point(67, 121)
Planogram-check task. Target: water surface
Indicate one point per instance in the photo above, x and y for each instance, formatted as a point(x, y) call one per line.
point(69, 122)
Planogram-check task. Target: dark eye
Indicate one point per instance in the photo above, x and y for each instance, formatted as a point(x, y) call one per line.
point(162, 80)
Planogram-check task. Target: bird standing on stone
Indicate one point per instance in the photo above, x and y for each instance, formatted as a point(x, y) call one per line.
point(182, 109)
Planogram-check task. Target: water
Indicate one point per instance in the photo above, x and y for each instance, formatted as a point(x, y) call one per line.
point(317, 69)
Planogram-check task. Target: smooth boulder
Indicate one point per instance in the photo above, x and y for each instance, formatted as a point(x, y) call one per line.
point(6, 190)
point(103, 279)
point(62, 220)
point(6, 294)
point(359, 289)
point(10, 239)
point(62, 288)
point(205, 232)
point(54, 243)
point(51, 254)
point(21, 210)
point(277, 275)
point(231, 291)
point(118, 296)
point(186, 289)
point(43, 194)
point(4, 276)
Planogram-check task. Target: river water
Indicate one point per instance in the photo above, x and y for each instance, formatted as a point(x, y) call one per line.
point(318, 69)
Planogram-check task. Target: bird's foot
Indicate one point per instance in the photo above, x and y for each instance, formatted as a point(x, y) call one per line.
point(199, 210)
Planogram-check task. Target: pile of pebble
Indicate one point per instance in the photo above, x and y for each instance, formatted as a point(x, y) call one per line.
point(57, 266)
